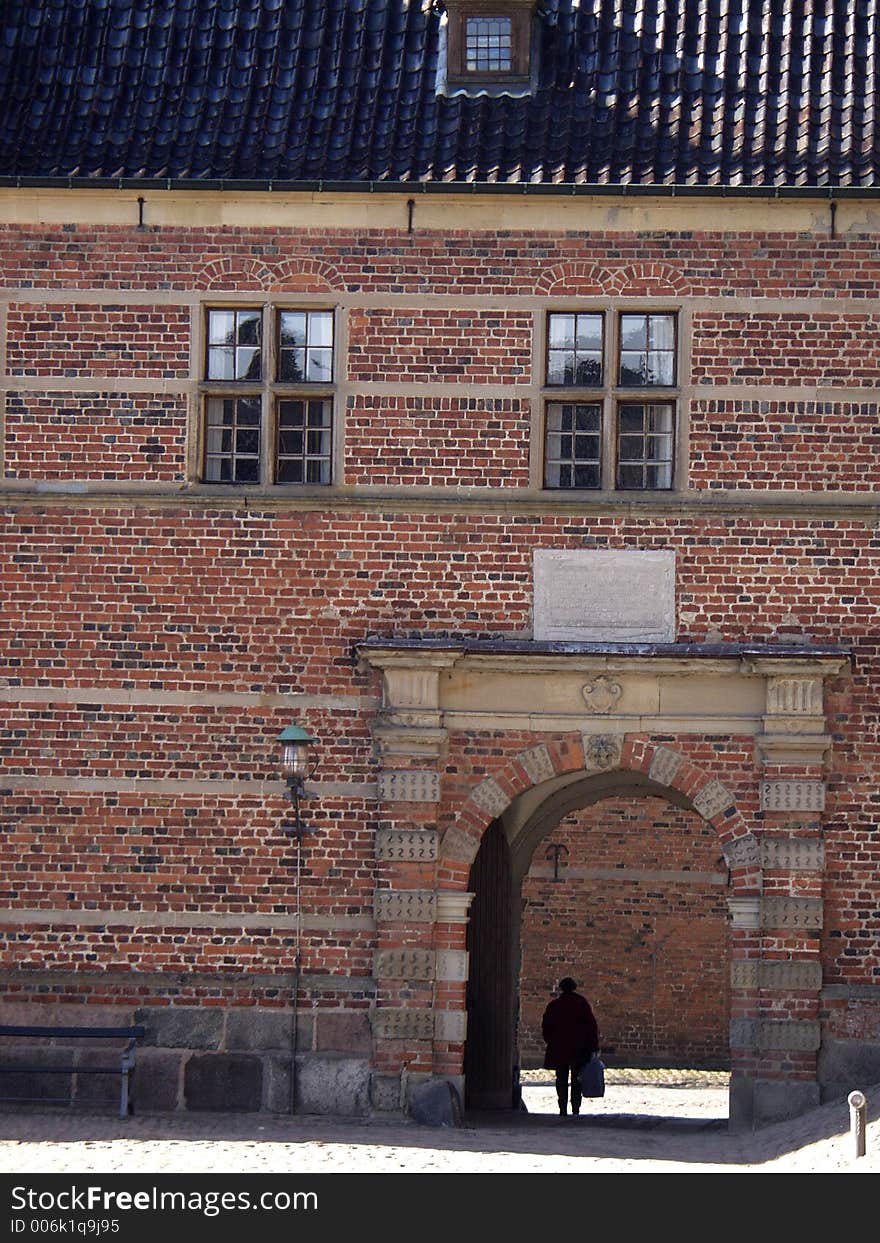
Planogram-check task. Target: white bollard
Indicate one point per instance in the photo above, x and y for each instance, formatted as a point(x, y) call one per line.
point(858, 1119)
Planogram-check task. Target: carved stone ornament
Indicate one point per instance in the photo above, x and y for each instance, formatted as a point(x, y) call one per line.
point(409, 786)
point(795, 1035)
point(792, 796)
point(713, 799)
point(419, 845)
point(601, 695)
point(403, 1024)
point(791, 912)
point(665, 765)
point(405, 905)
point(743, 852)
point(537, 764)
point(404, 964)
point(458, 845)
point(602, 751)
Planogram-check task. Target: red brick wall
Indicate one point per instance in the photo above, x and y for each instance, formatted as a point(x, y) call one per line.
point(438, 442)
point(760, 264)
point(253, 598)
point(150, 342)
point(648, 949)
point(483, 347)
point(790, 348)
point(759, 444)
point(100, 436)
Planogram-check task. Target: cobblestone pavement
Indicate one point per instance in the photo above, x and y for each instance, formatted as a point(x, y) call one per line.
point(641, 1125)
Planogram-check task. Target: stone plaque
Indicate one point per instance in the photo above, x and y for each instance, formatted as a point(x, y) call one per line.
point(405, 964)
point(782, 976)
point(409, 786)
point(537, 764)
point(743, 1034)
point(400, 1024)
point(602, 751)
point(452, 965)
point(451, 1025)
point(458, 845)
point(713, 799)
point(406, 844)
point(743, 852)
point(489, 796)
point(595, 596)
point(800, 1035)
point(792, 796)
point(665, 765)
point(795, 854)
point(416, 905)
point(791, 913)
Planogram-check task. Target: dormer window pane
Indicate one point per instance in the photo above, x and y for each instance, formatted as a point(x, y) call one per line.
point(489, 45)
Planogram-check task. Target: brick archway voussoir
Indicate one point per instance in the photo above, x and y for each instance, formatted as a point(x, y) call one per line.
point(234, 272)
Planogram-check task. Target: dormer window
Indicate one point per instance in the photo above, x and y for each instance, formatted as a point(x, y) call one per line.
point(489, 43)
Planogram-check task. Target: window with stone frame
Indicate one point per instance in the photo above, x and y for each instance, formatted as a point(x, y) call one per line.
point(610, 399)
point(267, 394)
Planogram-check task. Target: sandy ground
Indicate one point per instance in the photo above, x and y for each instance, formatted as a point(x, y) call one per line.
point(678, 1126)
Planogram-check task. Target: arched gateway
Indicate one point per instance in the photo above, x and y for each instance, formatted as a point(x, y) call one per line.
point(471, 734)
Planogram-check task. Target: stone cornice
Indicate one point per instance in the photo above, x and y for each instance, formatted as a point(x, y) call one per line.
point(494, 655)
point(771, 504)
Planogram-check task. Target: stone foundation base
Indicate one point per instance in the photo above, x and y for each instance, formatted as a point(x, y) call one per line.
point(847, 1065)
point(757, 1102)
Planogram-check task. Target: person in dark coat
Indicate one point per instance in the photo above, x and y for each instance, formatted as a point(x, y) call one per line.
point(572, 1035)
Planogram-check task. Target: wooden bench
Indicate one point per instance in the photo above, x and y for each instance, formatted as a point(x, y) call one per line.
point(124, 1067)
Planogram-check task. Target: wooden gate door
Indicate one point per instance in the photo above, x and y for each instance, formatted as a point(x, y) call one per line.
point(489, 1053)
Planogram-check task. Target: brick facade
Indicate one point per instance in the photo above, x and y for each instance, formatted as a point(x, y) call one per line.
point(160, 633)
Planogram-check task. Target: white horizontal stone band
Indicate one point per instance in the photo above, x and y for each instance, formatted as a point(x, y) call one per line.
point(178, 919)
point(172, 785)
point(183, 699)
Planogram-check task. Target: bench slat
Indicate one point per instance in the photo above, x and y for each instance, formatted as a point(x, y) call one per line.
point(99, 1033)
point(59, 1070)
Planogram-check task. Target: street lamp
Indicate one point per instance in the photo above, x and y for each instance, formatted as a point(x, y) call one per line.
point(297, 765)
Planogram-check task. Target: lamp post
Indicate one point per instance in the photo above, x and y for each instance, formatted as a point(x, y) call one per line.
point(297, 765)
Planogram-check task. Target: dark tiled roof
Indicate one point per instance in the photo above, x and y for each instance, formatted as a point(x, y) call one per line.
point(717, 92)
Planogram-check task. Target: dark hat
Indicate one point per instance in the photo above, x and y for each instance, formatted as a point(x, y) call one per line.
point(567, 985)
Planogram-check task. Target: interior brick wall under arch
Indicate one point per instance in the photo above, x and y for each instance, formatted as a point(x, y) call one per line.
point(648, 946)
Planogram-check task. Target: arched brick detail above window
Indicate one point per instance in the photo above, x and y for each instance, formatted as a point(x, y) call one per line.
point(234, 273)
point(646, 280)
point(297, 274)
point(585, 279)
point(304, 274)
point(575, 279)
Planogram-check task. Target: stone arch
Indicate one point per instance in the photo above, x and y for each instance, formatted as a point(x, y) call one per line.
point(305, 274)
point(514, 808)
point(576, 278)
point(646, 279)
point(233, 272)
point(656, 768)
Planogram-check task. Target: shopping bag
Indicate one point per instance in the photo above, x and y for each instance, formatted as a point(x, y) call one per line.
point(592, 1077)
